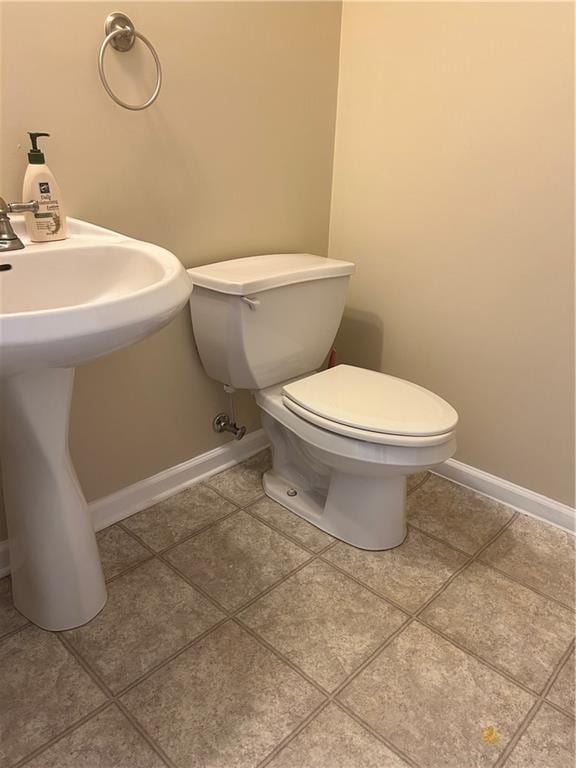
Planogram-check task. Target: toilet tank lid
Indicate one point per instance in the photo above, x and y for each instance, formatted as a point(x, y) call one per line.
point(261, 273)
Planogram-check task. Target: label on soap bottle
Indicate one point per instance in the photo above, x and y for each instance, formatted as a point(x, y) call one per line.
point(47, 220)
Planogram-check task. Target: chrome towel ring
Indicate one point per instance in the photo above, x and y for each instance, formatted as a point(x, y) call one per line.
point(121, 34)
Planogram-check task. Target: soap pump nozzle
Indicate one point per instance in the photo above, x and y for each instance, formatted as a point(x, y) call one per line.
point(35, 155)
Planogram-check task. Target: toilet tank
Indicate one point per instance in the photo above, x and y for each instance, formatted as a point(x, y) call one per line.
point(262, 320)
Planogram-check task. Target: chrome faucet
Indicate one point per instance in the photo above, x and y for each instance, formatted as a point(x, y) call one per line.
point(9, 240)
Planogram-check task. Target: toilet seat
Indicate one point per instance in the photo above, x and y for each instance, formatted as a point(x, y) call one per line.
point(371, 406)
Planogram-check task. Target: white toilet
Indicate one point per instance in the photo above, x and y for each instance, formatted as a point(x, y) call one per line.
point(343, 439)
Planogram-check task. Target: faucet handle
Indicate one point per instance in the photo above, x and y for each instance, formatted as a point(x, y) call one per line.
point(9, 240)
point(30, 207)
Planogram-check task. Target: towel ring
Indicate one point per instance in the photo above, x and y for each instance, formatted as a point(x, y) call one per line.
point(121, 34)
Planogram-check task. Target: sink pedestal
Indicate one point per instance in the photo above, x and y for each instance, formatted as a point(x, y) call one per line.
point(57, 578)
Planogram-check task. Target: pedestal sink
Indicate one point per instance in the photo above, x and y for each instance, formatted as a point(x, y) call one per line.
point(61, 304)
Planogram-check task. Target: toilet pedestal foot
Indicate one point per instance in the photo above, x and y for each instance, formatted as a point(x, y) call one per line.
point(367, 512)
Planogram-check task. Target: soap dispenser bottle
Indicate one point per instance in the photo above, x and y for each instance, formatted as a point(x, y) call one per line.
point(49, 222)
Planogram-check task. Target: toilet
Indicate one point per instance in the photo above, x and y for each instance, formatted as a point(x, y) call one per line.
point(343, 439)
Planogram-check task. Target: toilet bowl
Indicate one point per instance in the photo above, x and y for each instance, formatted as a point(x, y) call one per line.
point(349, 479)
point(343, 439)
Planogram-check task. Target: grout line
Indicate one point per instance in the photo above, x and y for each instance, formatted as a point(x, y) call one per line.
point(165, 661)
point(414, 616)
point(242, 505)
point(533, 711)
point(271, 587)
point(222, 608)
point(293, 539)
point(152, 743)
point(392, 747)
point(522, 583)
point(500, 670)
point(13, 632)
point(478, 552)
point(98, 679)
point(419, 485)
point(228, 615)
point(331, 697)
point(560, 709)
point(92, 673)
point(464, 566)
point(442, 541)
point(196, 532)
point(369, 659)
point(157, 556)
point(293, 734)
point(281, 656)
point(187, 537)
point(62, 735)
point(517, 735)
point(556, 671)
point(366, 586)
point(129, 569)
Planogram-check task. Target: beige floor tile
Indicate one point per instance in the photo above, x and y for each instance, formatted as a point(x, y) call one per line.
point(243, 483)
point(547, 743)
point(43, 690)
point(10, 618)
point(504, 622)
point(224, 703)
point(436, 703)
point(415, 480)
point(175, 518)
point(537, 554)
point(290, 524)
point(236, 559)
point(119, 551)
point(108, 740)
point(408, 574)
point(323, 621)
point(150, 614)
point(456, 514)
point(562, 692)
point(335, 740)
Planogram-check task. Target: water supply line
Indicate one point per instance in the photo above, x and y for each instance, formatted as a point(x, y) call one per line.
point(225, 423)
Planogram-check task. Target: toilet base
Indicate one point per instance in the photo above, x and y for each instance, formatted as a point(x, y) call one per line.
point(367, 512)
point(352, 489)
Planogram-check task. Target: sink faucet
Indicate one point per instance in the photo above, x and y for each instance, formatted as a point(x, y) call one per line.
point(9, 240)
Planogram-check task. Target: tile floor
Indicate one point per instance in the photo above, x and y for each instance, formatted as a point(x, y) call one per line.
point(236, 635)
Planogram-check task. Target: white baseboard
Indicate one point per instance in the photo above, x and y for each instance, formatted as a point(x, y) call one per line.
point(111, 509)
point(515, 496)
point(125, 502)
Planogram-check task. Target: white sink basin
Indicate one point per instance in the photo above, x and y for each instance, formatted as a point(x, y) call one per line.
point(66, 302)
point(62, 304)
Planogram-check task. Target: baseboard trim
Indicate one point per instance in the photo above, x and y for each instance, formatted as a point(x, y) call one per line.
point(111, 509)
point(127, 501)
point(516, 496)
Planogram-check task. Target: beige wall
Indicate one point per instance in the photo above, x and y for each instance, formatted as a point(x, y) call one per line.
point(234, 159)
point(453, 193)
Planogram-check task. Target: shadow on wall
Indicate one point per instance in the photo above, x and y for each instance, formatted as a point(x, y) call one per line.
point(359, 340)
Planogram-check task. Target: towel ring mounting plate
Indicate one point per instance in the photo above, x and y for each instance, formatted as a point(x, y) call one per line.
point(119, 22)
